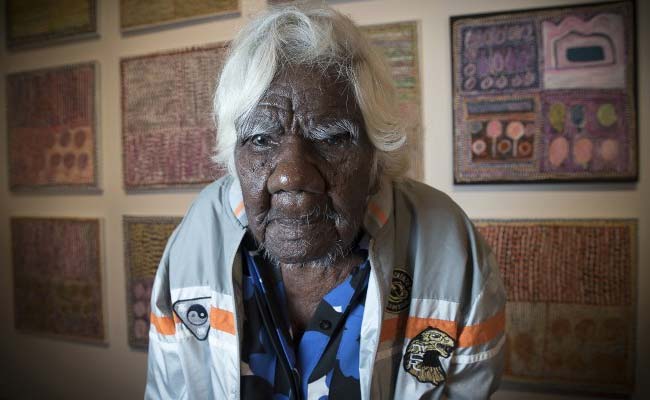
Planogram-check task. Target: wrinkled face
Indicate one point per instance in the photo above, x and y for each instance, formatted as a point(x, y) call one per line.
point(304, 161)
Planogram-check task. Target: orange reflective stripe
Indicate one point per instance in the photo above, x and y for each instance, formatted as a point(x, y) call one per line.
point(415, 325)
point(164, 325)
point(390, 327)
point(378, 213)
point(483, 332)
point(471, 335)
point(239, 209)
point(222, 320)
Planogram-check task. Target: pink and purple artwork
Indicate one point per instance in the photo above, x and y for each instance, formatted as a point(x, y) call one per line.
point(168, 133)
point(498, 57)
point(545, 95)
point(584, 50)
point(52, 129)
point(57, 277)
point(585, 133)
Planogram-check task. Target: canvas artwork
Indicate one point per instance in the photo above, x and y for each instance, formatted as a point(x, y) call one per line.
point(545, 95)
point(138, 15)
point(40, 22)
point(571, 306)
point(168, 133)
point(399, 44)
point(52, 129)
point(144, 242)
point(57, 277)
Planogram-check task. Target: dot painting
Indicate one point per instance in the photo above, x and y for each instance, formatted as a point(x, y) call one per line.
point(144, 242)
point(545, 95)
point(168, 133)
point(57, 277)
point(571, 306)
point(52, 128)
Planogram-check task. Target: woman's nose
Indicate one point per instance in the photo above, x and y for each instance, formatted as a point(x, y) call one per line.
point(295, 170)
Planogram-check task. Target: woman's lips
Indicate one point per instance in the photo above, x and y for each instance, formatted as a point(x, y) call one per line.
point(292, 216)
point(298, 221)
point(296, 228)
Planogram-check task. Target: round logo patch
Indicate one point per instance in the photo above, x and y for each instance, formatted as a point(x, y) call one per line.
point(400, 291)
point(422, 357)
point(197, 314)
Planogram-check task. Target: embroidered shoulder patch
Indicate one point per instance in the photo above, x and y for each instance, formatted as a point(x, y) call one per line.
point(400, 291)
point(193, 313)
point(422, 357)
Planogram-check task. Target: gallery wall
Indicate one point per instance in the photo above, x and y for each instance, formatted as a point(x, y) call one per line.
point(33, 365)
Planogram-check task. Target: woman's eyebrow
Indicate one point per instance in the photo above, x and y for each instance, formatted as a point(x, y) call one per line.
point(264, 125)
point(327, 129)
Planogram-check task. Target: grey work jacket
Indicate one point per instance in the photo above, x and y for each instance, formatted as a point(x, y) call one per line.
point(433, 325)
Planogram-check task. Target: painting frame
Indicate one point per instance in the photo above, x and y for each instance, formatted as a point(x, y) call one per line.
point(175, 22)
point(128, 221)
point(69, 34)
point(136, 182)
point(625, 300)
point(96, 243)
point(414, 124)
point(94, 185)
point(536, 169)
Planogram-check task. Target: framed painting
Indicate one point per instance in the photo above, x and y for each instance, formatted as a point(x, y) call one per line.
point(138, 15)
point(571, 311)
point(32, 23)
point(57, 277)
point(145, 239)
point(168, 134)
point(545, 95)
point(398, 42)
point(52, 129)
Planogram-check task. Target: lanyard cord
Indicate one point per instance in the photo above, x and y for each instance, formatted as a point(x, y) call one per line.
point(270, 322)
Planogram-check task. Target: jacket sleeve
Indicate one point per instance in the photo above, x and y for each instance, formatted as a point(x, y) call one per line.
point(165, 378)
point(478, 360)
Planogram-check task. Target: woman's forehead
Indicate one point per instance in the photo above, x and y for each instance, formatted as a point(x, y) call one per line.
point(309, 92)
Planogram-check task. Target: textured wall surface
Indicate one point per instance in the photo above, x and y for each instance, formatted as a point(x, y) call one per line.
point(34, 366)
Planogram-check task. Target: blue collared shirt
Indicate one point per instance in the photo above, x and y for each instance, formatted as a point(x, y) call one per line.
point(326, 360)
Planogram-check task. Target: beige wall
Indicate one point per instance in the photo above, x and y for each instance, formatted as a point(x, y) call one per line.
point(31, 365)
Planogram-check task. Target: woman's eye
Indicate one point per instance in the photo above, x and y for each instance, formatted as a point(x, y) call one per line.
point(337, 139)
point(260, 140)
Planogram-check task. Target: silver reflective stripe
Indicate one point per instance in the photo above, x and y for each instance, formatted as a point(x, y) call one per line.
point(370, 327)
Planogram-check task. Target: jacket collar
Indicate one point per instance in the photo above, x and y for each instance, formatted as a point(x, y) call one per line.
point(236, 200)
point(380, 206)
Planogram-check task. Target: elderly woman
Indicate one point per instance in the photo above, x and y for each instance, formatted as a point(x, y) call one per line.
point(314, 270)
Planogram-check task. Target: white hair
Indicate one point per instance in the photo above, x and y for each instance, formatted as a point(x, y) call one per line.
point(313, 36)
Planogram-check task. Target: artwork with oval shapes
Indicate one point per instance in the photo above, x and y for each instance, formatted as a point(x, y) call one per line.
point(584, 131)
point(566, 74)
point(52, 136)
